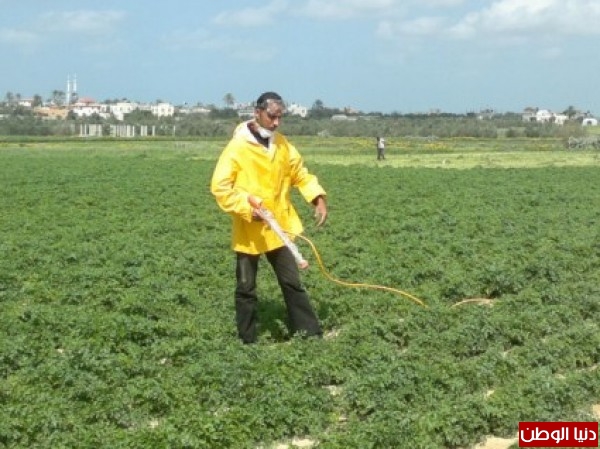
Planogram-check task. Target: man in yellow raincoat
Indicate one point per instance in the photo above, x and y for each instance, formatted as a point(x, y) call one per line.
point(256, 170)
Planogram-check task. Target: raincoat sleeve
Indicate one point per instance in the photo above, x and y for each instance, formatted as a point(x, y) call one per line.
point(307, 183)
point(229, 197)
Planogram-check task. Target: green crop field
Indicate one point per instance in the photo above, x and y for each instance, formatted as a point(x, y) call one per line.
point(116, 298)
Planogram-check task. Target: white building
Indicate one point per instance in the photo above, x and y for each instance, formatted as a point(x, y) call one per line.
point(543, 116)
point(26, 103)
point(162, 110)
point(296, 109)
point(245, 112)
point(193, 110)
point(86, 107)
point(339, 117)
point(559, 119)
point(121, 108)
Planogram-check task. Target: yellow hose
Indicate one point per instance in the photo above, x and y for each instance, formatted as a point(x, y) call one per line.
point(355, 284)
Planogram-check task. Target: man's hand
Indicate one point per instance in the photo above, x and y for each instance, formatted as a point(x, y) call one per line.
point(255, 201)
point(256, 204)
point(257, 214)
point(320, 210)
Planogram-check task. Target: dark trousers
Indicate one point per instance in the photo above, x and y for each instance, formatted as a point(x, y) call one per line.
point(301, 315)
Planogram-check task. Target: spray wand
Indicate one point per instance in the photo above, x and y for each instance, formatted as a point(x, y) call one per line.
point(268, 216)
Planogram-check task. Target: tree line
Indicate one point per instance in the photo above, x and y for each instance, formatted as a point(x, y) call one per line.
point(19, 120)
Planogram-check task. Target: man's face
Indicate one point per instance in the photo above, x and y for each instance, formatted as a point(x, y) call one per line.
point(269, 117)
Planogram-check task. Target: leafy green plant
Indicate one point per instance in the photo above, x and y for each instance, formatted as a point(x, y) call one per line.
point(117, 325)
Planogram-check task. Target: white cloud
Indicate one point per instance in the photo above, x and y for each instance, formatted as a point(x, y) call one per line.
point(200, 39)
point(359, 9)
point(532, 17)
point(552, 53)
point(503, 20)
point(263, 55)
point(49, 26)
point(345, 9)
point(18, 37)
point(444, 3)
point(385, 30)
point(251, 17)
point(204, 40)
point(81, 22)
point(328, 10)
point(423, 26)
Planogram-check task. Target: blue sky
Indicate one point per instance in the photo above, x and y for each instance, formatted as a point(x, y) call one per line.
point(372, 55)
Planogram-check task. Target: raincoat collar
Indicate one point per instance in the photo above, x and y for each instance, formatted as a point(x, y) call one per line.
point(243, 132)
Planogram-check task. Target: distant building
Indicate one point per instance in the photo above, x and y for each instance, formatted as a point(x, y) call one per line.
point(528, 114)
point(296, 109)
point(132, 131)
point(86, 107)
point(535, 115)
point(186, 110)
point(26, 103)
point(339, 117)
point(543, 116)
point(90, 130)
point(559, 119)
point(590, 121)
point(245, 112)
point(486, 114)
point(122, 108)
point(342, 118)
point(51, 112)
point(162, 110)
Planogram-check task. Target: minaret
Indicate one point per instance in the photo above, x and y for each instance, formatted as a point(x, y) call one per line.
point(71, 95)
point(68, 96)
point(74, 95)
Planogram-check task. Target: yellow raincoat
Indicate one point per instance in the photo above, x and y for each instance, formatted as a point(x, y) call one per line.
point(246, 167)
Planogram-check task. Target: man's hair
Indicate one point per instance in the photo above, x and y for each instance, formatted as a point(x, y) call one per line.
point(263, 101)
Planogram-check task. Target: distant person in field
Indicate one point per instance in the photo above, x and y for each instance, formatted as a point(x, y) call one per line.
point(380, 148)
point(257, 169)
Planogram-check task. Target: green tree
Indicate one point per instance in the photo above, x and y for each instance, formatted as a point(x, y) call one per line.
point(10, 98)
point(58, 97)
point(570, 112)
point(229, 100)
point(37, 100)
point(318, 105)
